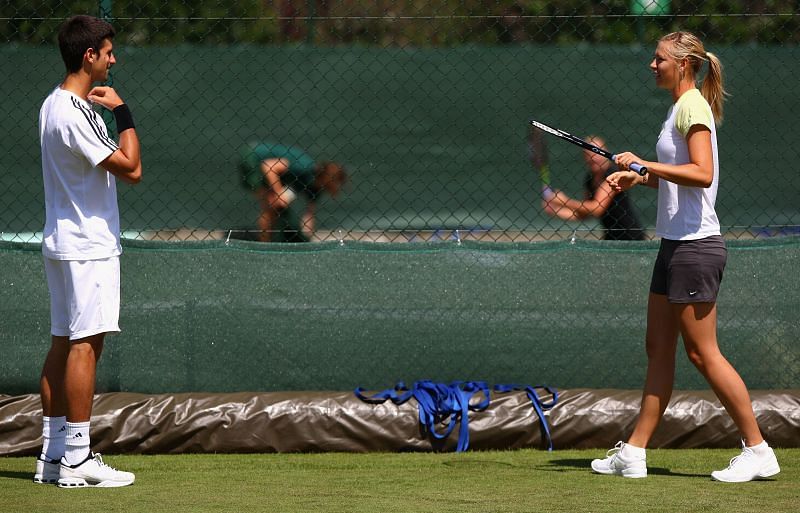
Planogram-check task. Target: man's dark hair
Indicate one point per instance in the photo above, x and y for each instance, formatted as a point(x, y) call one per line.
point(78, 34)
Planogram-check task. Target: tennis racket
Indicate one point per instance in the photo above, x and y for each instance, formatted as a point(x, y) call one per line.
point(642, 170)
point(537, 153)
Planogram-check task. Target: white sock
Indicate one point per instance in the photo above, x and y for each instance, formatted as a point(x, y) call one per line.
point(631, 451)
point(77, 442)
point(760, 449)
point(54, 435)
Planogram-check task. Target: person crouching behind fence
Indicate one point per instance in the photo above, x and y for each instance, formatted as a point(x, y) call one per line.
point(277, 174)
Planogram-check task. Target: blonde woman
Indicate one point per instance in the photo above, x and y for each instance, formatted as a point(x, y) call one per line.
point(690, 262)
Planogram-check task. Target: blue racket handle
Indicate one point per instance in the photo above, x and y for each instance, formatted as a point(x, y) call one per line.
point(639, 168)
point(635, 166)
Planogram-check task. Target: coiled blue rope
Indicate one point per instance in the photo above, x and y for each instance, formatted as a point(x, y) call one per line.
point(438, 401)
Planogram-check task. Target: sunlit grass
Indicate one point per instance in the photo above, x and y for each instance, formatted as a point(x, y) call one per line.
point(508, 481)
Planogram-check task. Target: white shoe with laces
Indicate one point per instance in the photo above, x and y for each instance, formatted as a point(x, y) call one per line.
point(92, 472)
point(47, 471)
point(623, 460)
point(753, 463)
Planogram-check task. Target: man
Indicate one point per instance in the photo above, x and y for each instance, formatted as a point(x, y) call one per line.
point(81, 247)
point(510, 25)
point(277, 174)
point(614, 209)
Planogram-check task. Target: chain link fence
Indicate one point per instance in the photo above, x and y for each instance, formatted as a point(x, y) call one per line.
point(426, 108)
point(425, 105)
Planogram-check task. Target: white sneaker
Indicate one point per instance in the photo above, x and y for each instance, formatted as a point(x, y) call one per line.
point(92, 472)
point(749, 466)
point(47, 471)
point(623, 460)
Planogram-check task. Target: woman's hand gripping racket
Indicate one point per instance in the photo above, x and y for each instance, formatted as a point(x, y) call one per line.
point(642, 170)
point(537, 153)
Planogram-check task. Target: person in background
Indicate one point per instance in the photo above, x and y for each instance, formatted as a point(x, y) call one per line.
point(276, 174)
point(510, 25)
point(613, 208)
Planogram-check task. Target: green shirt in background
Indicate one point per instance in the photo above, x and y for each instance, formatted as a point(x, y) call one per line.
point(299, 177)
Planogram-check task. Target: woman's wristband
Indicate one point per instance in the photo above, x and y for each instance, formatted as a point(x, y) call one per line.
point(123, 117)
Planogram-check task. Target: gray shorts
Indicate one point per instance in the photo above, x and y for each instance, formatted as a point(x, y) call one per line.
point(689, 271)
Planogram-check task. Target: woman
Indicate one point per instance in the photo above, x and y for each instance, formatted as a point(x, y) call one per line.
point(690, 262)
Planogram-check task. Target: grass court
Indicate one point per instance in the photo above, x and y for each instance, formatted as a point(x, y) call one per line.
point(492, 481)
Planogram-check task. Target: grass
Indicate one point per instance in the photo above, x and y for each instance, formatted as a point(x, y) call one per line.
point(494, 481)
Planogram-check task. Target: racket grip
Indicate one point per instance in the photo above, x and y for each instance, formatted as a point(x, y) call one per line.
point(642, 170)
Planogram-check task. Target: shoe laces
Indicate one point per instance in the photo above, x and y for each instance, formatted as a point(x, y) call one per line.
point(614, 451)
point(99, 459)
point(747, 453)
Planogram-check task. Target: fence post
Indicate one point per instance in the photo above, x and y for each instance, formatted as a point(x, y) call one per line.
point(311, 21)
point(104, 8)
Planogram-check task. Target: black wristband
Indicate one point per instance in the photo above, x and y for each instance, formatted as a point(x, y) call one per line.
point(122, 115)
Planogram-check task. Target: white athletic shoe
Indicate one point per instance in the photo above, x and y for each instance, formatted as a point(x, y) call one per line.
point(47, 472)
point(749, 466)
point(623, 460)
point(92, 472)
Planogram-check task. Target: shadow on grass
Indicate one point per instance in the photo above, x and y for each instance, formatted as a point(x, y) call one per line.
point(10, 474)
point(478, 464)
point(584, 464)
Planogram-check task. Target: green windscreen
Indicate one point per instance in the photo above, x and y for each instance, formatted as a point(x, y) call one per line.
point(241, 316)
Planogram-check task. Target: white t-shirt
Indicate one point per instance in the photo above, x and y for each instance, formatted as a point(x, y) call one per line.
point(686, 213)
point(81, 212)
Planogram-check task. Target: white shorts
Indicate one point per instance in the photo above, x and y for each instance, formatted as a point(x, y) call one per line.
point(84, 296)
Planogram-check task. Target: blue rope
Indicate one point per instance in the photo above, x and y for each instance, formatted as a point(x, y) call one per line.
point(438, 401)
point(538, 405)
